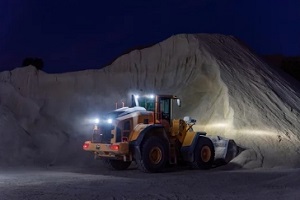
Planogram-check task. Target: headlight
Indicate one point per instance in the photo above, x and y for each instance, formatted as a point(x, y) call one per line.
point(150, 96)
point(96, 121)
point(109, 121)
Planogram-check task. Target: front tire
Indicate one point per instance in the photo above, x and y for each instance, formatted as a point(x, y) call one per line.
point(116, 164)
point(204, 154)
point(154, 155)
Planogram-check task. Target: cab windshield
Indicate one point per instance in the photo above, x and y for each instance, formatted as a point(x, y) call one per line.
point(147, 103)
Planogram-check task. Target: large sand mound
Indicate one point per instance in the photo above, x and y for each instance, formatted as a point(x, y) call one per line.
point(222, 84)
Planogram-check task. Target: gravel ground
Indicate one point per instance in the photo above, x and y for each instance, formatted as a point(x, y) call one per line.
point(100, 183)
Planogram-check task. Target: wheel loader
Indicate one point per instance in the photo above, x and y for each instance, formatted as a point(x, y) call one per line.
point(147, 133)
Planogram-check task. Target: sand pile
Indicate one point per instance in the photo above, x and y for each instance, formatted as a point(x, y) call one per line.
point(44, 118)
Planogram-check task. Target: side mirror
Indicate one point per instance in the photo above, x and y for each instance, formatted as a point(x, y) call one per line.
point(178, 102)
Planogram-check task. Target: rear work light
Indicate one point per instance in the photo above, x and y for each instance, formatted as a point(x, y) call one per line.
point(114, 147)
point(86, 145)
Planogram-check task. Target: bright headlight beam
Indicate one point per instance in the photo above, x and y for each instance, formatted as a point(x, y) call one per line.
point(96, 121)
point(109, 121)
point(151, 96)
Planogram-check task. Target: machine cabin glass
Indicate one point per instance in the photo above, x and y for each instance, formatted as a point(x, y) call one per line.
point(164, 109)
point(147, 103)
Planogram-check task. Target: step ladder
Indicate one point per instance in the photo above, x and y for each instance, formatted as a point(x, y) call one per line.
point(172, 153)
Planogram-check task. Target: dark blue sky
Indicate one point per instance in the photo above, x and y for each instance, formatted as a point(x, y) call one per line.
point(72, 35)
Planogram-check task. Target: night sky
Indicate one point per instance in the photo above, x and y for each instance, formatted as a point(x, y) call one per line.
point(72, 35)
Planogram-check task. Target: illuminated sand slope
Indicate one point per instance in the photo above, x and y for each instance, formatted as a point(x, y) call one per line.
point(44, 118)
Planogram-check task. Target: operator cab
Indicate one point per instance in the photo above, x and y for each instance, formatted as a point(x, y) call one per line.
point(161, 105)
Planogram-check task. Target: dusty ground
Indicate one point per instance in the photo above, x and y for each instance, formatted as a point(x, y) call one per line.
point(181, 183)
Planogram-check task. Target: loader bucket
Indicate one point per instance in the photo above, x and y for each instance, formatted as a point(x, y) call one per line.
point(225, 149)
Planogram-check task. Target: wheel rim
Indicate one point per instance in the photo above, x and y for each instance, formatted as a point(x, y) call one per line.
point(205, 154)
point(155, 155)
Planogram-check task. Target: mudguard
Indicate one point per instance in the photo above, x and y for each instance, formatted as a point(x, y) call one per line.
point(187, 152)
point(135, 145)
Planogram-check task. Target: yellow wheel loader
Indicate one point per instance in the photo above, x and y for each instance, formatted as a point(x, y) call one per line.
point(148, 134)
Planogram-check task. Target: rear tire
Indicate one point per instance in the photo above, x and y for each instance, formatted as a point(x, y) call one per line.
point(154, 155)
point(204, 154)
point(116, 164)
